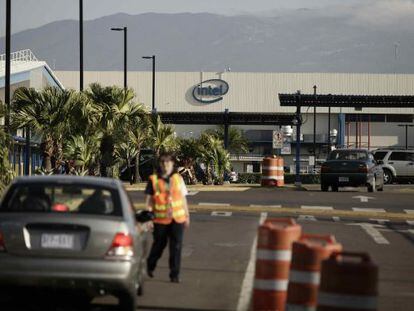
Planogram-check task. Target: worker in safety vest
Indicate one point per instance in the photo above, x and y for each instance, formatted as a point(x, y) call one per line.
point(166, 198)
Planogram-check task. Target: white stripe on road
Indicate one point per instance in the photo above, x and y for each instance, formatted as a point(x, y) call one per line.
point(247, 285)
point(192, 193)
point(336, 218)
point(368, 210)
point(306, 218)
point(213, 204)
point(410, 222)
point(326, 208)
point(221, 214)
point(271, 206)
point(380, 221)
point(373, 232)
point(409, 211)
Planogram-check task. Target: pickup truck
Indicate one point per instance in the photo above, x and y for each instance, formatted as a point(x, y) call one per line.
point(351, 168)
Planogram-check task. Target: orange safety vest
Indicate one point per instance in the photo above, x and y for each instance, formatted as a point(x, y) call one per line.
point(168, 203)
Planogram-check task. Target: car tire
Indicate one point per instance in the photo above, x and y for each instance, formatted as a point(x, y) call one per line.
point(127, 301)
point(324, 187)
point(335, 188)
point(372, 187)
point(388, 177)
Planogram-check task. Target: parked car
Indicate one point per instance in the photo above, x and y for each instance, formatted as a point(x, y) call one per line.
point(398, 164)
point(77, 234)
point(351, 168)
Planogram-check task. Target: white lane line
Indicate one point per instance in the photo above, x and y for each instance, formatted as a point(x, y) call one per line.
point(271, 206)
point(410, 222)
point(306, 218)
point(213, 204)
point(221, 214)
point(380, 221)
point(248, 280)
point(336, 218)
point(409, 211)
point(370, 210)
point(192, 193)
point(326, 208)
point(373, 232)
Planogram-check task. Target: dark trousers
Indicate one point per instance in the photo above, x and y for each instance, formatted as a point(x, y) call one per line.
point(172, 233)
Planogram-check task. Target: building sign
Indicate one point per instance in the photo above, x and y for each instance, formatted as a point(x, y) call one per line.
point(277, 140)
point(286, 150)
point(210, 91)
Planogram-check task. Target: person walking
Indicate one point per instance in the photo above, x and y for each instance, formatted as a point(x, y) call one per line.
point(166, 198)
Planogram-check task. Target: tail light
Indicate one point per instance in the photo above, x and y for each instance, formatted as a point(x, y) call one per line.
point(2, 245)
point(362, 168)
point(325, 168)
point(122, 247)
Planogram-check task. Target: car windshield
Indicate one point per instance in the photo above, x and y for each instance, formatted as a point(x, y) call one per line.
point(380, 155)
point(348, 155)
point(77, 199)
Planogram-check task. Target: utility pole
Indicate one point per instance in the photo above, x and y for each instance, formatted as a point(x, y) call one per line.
point(314, 123)
point(153, 81)
point(81, 45)
point(8, 66)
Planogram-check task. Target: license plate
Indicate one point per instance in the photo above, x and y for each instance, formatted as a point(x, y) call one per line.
point(57, 241)
point(343, 179)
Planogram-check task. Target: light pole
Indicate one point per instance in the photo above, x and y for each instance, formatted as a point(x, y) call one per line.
point(406, 133)
point(8, 65)
point(81, 45)
point(153, 80)
point(125, 30)
point(314, 124)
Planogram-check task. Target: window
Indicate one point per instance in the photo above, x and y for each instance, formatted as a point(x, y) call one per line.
point(348, 155)
point(55, 198)
point(380, 155)
point(398, 156)
point(401, 118)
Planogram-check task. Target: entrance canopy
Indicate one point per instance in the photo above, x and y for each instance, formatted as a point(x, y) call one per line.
point(357, 101)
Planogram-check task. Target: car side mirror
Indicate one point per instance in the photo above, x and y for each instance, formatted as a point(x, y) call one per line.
point(144, 216)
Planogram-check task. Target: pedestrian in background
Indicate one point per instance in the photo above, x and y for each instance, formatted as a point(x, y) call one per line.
point(166, 197)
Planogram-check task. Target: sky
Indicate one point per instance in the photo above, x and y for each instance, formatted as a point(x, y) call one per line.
point(33, 13)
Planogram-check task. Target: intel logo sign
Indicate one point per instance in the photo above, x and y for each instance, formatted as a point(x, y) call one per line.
point(210, 91)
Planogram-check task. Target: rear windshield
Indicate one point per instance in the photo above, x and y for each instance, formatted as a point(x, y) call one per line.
point(46, 198)
point(380, 155)
point(348, 155)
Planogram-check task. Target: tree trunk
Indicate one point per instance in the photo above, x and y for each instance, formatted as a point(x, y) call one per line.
point(137, 177)
point(47, 151)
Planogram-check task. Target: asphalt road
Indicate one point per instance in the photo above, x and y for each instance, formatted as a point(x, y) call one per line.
point(396, 199)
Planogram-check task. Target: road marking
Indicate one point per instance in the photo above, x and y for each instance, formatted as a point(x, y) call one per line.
point(270, 206)
point(213, 204)
point(373, 232)
point(409, 211)
point(336, 218)
point(306, 218)
point(248, 280)
point(410, 222)
point(368, 210)
point(380, 221)
point(325, 208)
point(363, 198)
point(192, 193)
point(221, 214)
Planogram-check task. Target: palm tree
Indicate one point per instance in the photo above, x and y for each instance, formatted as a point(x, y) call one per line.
point(237, 143)
point(83, 151)
point(114, 107)
point(161, 137)
point(45, 113)
point(138, 135)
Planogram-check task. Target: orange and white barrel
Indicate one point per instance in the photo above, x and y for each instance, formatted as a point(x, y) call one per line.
point(305, 270)
point(349, 281)
point(274, 253)
point(273, 174)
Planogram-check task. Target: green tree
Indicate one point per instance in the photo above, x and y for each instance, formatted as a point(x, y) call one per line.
point(237, 144)
point(138, 135)
point(6, 171)
point(161, 137)
point(83, 151)
point(45, 113)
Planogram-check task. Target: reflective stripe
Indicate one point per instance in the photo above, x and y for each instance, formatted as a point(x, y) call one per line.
point(277, 285)
point(347, 301)
point(273, 168)
point(179, 213)
point(304, 277)
point(273, 177)
point(290, 307)
point(265, 254)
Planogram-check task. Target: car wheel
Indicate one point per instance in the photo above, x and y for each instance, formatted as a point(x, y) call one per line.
point(388, 178)
point(372, 187)
point(324, 187)
point(335, 188)
point(127, 301)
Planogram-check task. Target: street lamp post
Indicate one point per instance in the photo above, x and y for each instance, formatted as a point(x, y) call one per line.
point(153, 80)
point(314, 124)
point(81, 45)
point(8, 66)
point(406, 133)
point(125, 30)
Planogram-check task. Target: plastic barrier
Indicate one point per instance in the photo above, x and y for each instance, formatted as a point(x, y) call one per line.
point(273, 174)
point(305, 270)
point(349, 281)
point(274, 252)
